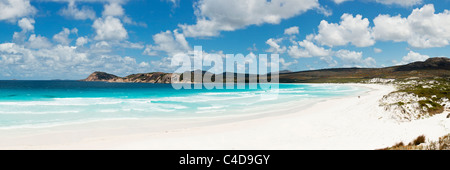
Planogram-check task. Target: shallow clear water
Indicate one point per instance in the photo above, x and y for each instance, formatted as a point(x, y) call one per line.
point(43, 103)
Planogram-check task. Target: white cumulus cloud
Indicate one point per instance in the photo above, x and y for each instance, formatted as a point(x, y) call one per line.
point(38, 42)
point(285, 64)
point(60, 61)
point(354, 30)
point(377, 50)
point(274, 46)
point(413, 57)
point(81, 41)
point(170, 42)
point(355, 59)
point(404, 3)
point(307, 48)
point(292, 30)
point(63, 36)
point(340, 1)
point(79, 14)
point(214, 16)
point(109, 28)
point(14, 9)
point(113, 9)
point(27, 24)
point(423, 28)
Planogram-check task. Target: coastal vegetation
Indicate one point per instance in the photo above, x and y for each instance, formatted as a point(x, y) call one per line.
point(436, 92)
point(420, 143)
point(416, 98)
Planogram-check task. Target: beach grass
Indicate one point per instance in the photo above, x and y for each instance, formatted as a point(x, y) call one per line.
point(420, 143)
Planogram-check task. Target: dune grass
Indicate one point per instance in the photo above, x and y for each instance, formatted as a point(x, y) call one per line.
point(420, 144)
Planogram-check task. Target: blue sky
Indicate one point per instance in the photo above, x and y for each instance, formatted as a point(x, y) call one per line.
point(69, 39)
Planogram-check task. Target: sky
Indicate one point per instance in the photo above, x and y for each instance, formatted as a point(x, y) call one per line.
point(69, 39)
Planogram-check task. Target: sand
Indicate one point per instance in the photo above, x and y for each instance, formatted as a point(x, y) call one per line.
point(349, 122)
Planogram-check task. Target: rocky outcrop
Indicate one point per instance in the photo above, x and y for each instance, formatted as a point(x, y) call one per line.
point(156, 77)
point(100, 76)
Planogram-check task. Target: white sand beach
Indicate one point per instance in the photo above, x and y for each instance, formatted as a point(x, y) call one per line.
point(341, 123)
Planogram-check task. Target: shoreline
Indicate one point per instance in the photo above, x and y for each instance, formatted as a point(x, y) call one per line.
point(344, 123)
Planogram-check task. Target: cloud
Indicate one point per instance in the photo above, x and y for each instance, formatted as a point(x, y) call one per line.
point(79, 14)
point(109, 28)
point(252, 48)
point(355, 59)
point(391, 28)
point(423, 28)
point(412, 57)
point(170, 42)
point(13, 9)
point(175, 3)
point(26, 24)
point(325, 11)
point(354, 30)
point(63, 36)
point(149, 51)
point(129, 21)
point(292, 30)
point(285, 65)
point(309, 49)
point(17, 61)
point(113, 9)
point(35, 57)
point(329, 60)
point(340, 1)
point(377, 50)
point(214, 16)
point(274, 46)
point(38, 42)
point(89, 1)
point(295, 52)
point(82, 41)
point(404, 3)
point(131, 45)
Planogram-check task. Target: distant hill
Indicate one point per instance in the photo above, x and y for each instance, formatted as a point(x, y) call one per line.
point(430, 64)
point(156, 77)
point(433, 67)
point(100, 76)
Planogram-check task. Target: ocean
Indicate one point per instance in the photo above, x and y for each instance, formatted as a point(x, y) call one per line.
point(51, 103)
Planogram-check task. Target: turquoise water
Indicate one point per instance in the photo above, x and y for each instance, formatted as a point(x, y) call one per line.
point(44, 103)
